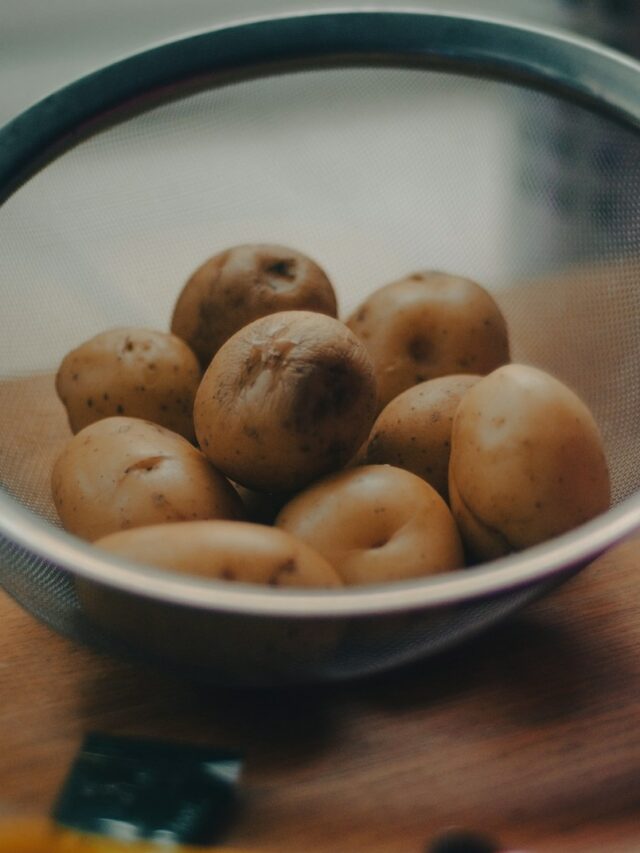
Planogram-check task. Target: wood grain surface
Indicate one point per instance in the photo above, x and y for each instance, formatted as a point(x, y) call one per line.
point(529, 733)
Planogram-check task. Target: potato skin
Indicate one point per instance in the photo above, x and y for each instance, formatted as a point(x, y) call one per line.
point(413, 431)
point(124, 472)
point(242, 649)
point(376, 524)
point(242, 284)
point(141, 373)
point(286, 400)
point(225, 550)
point(527, 462)
point(430, 324)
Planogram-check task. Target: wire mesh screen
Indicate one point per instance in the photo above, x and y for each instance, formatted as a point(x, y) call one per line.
point(375, 172)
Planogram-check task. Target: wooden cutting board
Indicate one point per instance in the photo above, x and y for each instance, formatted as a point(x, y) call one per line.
point(529, 733)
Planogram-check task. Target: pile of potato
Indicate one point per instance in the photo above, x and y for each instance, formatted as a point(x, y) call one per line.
point(314, 452)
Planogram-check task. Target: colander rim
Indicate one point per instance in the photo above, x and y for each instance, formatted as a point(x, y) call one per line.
point(539, 563)
point(545, 57)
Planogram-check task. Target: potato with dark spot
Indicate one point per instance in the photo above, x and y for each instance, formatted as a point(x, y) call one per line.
point(140, 373)
point(527, 462)
point(376, 524)
point(430, 324)
point(225, 550)
point(243, 284)
point(124, 472)
point(286, 400)
point(414, 430)
point(253, 650)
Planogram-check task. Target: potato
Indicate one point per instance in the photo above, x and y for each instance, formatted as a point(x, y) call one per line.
point(527, 462)
point(427, 325)
point(413, 431)
point(225, 550)
point(285, 400)
point(376, 523)
point(212, 644)
point(235, 646)
point(124, 472)
point(140, 373)
point(243, 284)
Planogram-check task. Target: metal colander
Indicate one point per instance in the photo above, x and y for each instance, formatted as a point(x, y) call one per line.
point(378, 143)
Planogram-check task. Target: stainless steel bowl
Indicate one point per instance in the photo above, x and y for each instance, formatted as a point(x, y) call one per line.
point(378, 142)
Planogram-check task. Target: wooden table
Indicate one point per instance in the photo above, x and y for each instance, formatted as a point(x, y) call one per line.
point(530, 733)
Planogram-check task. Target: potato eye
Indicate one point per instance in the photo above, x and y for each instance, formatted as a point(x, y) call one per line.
point(420, 348)
point(285, 268)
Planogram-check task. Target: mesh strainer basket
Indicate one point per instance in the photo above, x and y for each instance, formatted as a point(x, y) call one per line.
point(378, 143)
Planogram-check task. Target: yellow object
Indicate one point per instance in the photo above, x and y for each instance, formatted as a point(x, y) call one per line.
point(40, 835)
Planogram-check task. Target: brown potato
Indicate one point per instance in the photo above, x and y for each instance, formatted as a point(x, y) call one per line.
point(236, 647)
point(225, 550)
point(527, 462)
point(376, 524)
point(243, 284)
point(210, 643)
point(427, 325)
point(414, 430)
point(140, 373)
point(124, 472)
point(287, 399)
